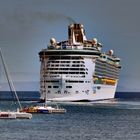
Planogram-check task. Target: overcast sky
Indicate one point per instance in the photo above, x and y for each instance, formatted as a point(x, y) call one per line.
point(26, 27)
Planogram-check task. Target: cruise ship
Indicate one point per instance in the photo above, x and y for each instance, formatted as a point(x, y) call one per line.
point(77, 69)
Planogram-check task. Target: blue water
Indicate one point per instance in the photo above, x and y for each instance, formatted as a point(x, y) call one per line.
point(106, 120)
point(35, 95)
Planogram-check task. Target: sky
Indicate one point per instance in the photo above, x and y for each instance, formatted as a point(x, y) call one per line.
point(26, 27)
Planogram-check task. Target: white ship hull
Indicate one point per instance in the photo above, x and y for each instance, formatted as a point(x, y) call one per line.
point(80, 92)
point(105, 92)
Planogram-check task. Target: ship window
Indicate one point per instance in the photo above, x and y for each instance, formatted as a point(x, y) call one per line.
point(81, 81)
point(65, 57)
point(75, 65)
point(87, 81)
point(55, 87)
point(49, 86)
point(82, 69)
point(65, 92)
point(76, 92)
point(69, 81)
point(64, 72)
point(76, 61)
point(54, 81)
point(68, 86)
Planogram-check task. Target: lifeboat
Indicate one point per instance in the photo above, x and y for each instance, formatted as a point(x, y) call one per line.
point(109, 81)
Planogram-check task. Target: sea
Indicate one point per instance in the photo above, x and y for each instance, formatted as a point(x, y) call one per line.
point(117, 119)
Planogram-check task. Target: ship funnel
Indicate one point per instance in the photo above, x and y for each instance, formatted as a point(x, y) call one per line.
point(76, 33)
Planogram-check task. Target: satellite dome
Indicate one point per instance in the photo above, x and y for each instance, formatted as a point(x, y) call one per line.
point(94, 40)
point(53, 41)
point(111, 52)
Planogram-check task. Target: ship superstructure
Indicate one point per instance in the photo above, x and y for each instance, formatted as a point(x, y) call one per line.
point(77, 70)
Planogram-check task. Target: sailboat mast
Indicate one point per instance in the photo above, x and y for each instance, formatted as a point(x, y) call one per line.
point(12, 88)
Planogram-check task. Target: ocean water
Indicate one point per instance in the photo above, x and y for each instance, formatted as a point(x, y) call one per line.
point(106, 120)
